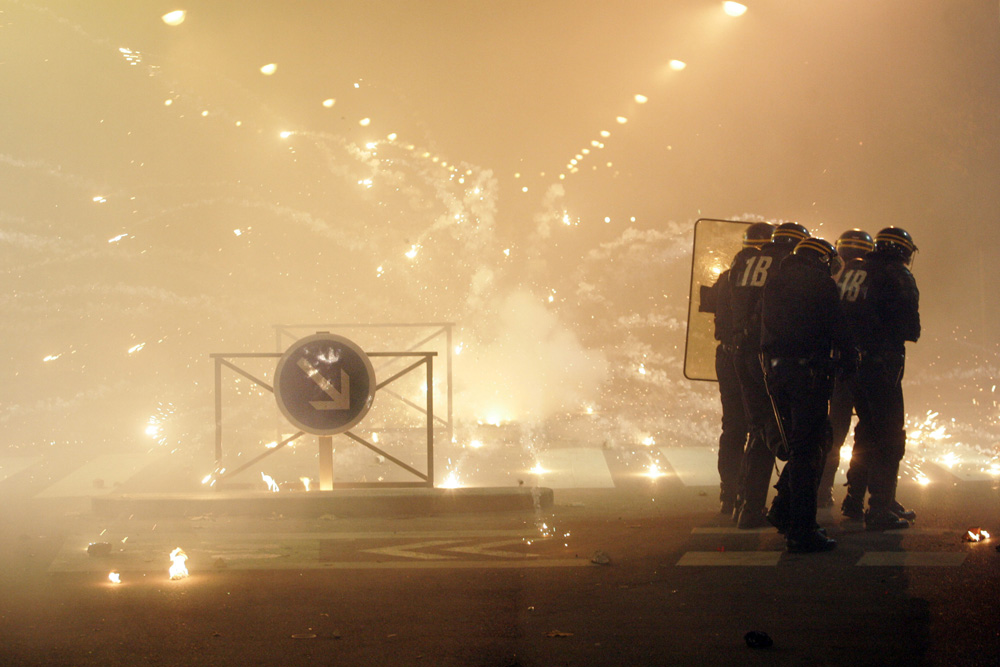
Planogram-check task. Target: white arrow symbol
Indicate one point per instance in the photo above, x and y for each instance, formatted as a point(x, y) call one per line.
point(406, 553)
point(484, 550)
point(341, 399)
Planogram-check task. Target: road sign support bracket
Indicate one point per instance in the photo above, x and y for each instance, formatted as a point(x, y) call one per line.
point(426, 479)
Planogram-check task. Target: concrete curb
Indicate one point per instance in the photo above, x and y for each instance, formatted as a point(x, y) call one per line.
point(340, 503)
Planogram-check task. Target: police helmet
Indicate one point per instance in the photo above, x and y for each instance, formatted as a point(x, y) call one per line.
point(757, 234)
point(854, 244)
point(895, 241)
point(790, 233)
point(816, 250)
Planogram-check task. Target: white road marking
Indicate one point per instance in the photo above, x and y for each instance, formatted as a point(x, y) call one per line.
point(12, 466)
point(911, 559)
point(730, 558)
point(574, 468)
point(406, 550)
point(695, 466)
point(487, 550)
point(99, 476)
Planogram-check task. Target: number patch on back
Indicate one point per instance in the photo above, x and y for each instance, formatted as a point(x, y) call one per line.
point(755, 273)
point(850, 284)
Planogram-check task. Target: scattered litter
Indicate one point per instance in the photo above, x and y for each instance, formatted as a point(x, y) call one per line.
point(558, 633)
point(976, 535)
point(99, 549)
point(304, 635)
point(758, 639)
point(601, 558)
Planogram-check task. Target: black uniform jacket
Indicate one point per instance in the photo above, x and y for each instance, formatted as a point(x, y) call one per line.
point(881, 301)
point(748, 274)
point(801, 315)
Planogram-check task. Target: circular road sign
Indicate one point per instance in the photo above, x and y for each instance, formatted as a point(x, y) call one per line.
point(324, 384)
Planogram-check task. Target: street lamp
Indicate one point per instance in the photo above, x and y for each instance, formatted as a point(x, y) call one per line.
point(734, 8)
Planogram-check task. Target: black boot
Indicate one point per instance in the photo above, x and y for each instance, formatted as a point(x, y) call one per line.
point(902, 512)
point(853, 508)
point(811, 542)
point(883, 519)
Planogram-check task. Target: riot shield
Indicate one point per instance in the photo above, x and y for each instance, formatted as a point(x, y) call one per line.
point(716, 242)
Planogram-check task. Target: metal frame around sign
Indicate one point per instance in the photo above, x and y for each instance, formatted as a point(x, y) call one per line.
point(293, 332)
point(423, 358)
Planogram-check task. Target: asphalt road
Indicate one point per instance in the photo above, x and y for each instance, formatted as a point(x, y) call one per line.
point(646, 573)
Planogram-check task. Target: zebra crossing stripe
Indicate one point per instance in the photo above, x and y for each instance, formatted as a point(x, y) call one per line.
point(911, 559)
point(730, 558)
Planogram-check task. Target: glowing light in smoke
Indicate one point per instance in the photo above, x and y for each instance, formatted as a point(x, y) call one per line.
point(451, 481)
point(115, 578)
point(621, 120)
point(269, 69)
point(118, 238)
point(538, 470)
point(271, 484)
point(734, 8)
point(174, 18)
point(649, 441)
point(412, 252)
point(305, 482)
point(178, 570)
point(99, 199)
point(136, 348)
point(653, 471)
point(132, 57)
point(52, 357)
point(641, 99)
point(365, 122)
point(329, 102)
point(677, 65)
point(476, 444)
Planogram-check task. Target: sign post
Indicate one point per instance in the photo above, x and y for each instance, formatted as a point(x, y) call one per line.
point(324, 384)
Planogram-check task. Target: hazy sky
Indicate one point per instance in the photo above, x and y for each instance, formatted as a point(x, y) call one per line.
point(152, 199)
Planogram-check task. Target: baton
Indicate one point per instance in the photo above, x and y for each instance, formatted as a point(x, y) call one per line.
point(774, 407)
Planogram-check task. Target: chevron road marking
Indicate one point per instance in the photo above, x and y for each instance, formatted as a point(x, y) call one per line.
point(406, 550)
point(487, 550)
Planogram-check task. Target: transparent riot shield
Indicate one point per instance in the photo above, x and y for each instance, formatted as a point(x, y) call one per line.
point(716, 242)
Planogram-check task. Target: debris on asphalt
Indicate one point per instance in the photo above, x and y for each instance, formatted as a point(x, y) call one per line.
point(758, 639)
point(304, 635)
point(99, 549)
point(976, 535)
point(601, 558)
point(558, 633)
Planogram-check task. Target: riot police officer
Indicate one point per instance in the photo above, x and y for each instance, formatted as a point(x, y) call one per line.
point(733, 438)
point(881, 301)
point(748, 275)
point(803, 335)
point(852, 246)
